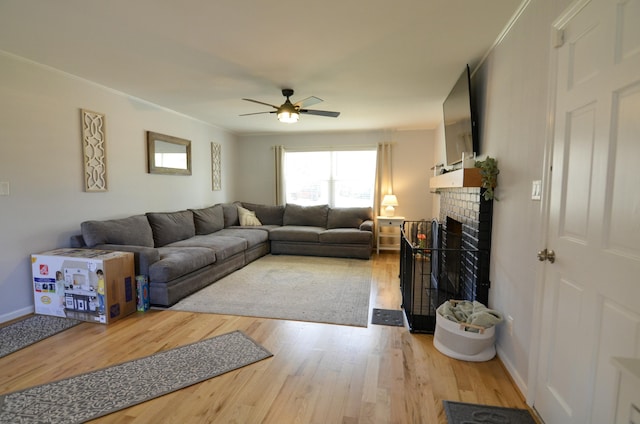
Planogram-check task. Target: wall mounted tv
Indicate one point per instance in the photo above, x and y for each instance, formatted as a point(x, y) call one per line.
point(460, 125)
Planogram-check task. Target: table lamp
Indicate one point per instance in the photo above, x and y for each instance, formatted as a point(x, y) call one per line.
point(389, 201)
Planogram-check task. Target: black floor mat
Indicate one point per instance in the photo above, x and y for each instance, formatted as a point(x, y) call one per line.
point(387, 317)
point(460, 413)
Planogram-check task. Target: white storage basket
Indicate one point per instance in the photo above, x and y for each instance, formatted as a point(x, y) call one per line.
point(451, 339)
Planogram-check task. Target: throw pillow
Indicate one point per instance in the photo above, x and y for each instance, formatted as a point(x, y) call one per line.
point(348, 217)
point(169, 227)
point(314, 216)
point(230, 213)
point(134, 230)
point(267, 214)
point(208, 220)
point(247, 217)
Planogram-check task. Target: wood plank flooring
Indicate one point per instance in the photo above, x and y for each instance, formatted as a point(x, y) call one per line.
point(319, 373)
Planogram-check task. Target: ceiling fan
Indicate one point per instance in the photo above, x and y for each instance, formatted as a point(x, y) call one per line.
point(290, 112)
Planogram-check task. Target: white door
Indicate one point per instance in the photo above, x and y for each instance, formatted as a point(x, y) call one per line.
point(591, 303)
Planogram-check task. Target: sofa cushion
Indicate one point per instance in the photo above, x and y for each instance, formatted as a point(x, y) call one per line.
point(247, 218)
point(267, 214)
point(230, 211)
point(208, 220)
point(253, 236)
point(345, 236)
point(178, 261)
point(296, 233)
point(348, 217)
point(315, 216)
point(169, 227)
point(134, 230)
point(224, 247)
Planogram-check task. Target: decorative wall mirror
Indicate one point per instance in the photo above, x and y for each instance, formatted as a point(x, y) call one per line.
point(168, 155)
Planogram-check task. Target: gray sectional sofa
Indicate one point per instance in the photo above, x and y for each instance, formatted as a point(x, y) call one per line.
point(181, 252)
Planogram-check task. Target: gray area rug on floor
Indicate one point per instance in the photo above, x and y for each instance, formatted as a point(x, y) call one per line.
point(299, 288)
point(31, 330)
point(97, 393)
point(463, 413)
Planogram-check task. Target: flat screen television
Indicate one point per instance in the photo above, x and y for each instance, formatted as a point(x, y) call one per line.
point(460, 124)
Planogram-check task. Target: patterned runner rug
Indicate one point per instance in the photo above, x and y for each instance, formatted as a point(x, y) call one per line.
point(31, 330)
point(97, 393)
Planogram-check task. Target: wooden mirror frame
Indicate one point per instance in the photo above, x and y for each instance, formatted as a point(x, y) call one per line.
point(183, 145)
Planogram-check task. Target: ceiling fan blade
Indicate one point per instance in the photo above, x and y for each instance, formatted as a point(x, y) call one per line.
point(257, 113)
point(308, 102)
point(261, 103)
point(320, 113)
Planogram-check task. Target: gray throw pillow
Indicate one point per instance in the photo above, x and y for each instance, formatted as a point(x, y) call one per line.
point(134, 230)
point(348, 217)
point(315, 216)
point(267, 214)
point(169, 227)
point(208, 220)
point(230, 211)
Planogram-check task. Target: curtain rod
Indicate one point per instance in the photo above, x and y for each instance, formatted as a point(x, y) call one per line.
point(341, 147)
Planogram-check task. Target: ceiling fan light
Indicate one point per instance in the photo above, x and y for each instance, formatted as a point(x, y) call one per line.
point(288, 117)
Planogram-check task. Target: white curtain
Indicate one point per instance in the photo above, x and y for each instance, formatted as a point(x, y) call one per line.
point(279, 167)
point(384, 177)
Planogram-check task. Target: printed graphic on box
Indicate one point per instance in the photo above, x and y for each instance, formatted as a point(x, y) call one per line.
point(71, 283)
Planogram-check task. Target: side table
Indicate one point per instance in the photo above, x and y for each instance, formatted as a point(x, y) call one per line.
point(388, 230)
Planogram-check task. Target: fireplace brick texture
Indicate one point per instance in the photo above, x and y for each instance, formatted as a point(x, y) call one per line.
point(468, 206)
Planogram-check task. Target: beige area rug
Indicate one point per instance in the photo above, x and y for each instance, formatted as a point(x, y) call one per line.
point(299, 288)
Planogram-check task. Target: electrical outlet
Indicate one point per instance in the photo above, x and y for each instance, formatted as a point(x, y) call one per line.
point(510, 325)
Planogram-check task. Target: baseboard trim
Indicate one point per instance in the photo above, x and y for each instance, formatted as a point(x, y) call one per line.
point(513, 373)
point(17, 314)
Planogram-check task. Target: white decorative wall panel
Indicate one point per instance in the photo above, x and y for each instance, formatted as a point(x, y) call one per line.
point(216, 166)
point(94, 151)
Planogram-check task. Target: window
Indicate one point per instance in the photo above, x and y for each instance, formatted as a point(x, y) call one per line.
point(339, 178)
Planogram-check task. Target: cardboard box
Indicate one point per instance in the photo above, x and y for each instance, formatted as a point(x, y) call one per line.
point(142, 288)
point(84, 284)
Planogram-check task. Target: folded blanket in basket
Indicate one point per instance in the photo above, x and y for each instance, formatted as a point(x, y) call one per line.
point(470, 313)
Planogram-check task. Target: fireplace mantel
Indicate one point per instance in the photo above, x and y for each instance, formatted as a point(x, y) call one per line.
point(464, 177)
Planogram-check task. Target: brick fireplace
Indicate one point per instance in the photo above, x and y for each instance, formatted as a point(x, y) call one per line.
point(465, 223)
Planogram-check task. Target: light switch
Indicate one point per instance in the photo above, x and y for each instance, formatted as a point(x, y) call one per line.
point(536, 190)
point(4, 188)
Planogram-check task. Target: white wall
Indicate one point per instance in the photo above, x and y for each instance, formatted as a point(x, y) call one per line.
point(412, 158)
point(41, 159)
point(513, 124)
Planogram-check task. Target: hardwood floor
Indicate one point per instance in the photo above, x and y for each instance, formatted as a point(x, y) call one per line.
point(319, 373)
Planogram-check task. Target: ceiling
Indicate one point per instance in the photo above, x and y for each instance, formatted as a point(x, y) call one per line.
point(382, 64)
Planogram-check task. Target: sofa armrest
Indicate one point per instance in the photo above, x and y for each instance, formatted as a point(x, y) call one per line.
point(143, 256)
point(367, 225)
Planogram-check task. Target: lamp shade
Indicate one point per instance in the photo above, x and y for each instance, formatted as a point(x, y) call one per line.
point(389, 200)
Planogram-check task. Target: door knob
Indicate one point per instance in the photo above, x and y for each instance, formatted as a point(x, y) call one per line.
point(547, 255)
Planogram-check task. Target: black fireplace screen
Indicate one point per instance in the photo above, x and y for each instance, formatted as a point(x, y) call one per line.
point(436, 267)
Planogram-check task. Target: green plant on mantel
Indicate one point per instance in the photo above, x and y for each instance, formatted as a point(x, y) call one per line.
point(489, 174)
